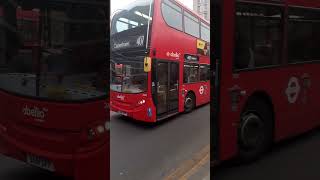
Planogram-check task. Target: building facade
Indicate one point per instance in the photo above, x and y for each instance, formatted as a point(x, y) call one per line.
point(202, 7)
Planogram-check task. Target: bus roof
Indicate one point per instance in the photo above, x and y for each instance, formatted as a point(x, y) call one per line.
point(191, 11)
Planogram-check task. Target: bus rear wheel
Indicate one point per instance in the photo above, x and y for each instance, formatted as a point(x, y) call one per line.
point(255, 132)
point(189, 103)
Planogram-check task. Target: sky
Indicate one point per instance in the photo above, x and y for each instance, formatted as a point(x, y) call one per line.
point(117, 4)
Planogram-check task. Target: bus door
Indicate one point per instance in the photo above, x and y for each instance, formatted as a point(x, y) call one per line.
point(167, 78)
point(215, 52)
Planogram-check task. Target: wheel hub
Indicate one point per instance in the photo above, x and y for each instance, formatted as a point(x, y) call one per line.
point(252, 131)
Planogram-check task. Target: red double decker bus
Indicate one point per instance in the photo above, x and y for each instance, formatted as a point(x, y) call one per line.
point(267, 56)
point(53, 86)
point(159, 60)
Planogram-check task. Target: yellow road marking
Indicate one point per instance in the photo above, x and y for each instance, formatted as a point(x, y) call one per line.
point(196, 167)
point(191, 166)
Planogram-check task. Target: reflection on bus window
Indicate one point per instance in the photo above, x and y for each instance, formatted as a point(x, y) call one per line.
point(172, 14)
point(131, 17)
point(204, 73)
point(58, 28)
point(58, 54)
point(128, 77)
point(258, 36)
point(191, 73)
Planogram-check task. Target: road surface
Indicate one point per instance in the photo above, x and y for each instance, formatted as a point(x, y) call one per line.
point(178, 147)
point(11, 169)
point(294, 159)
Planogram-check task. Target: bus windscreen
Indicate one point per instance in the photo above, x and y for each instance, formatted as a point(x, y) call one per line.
point(65, 59)
point(128, 77)
point(130, 28)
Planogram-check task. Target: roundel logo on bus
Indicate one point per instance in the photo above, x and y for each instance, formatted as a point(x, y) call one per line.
point(201, 90)
point(293, 90)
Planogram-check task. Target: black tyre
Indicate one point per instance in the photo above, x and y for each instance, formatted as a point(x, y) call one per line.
point(255, 134)
point(189, 103)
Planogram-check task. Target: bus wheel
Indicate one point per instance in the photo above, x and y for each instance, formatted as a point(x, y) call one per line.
point(255, 131)
point(189, 103)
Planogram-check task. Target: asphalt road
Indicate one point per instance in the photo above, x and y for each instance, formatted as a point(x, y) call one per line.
point(294, 159)
point(145, 152)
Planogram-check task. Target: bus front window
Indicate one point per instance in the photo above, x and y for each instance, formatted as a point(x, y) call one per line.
point(59, 53)
point(133, 16)
point(130, 29)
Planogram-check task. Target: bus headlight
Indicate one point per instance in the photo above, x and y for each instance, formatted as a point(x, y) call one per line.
point(98, 130)
point(142, 102)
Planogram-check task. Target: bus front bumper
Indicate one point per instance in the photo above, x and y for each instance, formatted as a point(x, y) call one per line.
point(142, 113)
point(82, 165)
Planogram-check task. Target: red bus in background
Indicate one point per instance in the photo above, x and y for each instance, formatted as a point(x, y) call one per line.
point(53, 86)
point(268, 74)
point(159, 60)
point(28, 24)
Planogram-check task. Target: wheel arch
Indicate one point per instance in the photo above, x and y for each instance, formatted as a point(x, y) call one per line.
point(260, 95)
point(194, 95)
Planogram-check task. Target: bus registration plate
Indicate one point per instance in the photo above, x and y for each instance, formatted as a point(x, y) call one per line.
point(40, 162)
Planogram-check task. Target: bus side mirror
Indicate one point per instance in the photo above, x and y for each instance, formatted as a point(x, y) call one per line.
point(147, 64)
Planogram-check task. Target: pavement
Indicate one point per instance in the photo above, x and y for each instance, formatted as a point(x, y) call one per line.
point(207, 177)
point(294, 159)
point(177, 148)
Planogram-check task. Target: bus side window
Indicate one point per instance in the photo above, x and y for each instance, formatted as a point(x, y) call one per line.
point(204, 73)
point(243, 42)
point(191, 25)
point(191, 73)
point(258, 36)
point(303, 35)
point(205, 32)
point(172, 14)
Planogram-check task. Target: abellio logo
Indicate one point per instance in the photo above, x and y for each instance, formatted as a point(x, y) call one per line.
point(174, 55)
point(35, 112)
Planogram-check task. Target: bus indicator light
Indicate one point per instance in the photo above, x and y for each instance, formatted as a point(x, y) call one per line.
point(147, 64)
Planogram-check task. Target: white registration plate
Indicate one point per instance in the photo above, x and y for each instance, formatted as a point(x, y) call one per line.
point(123, 113)
point(40, 162)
